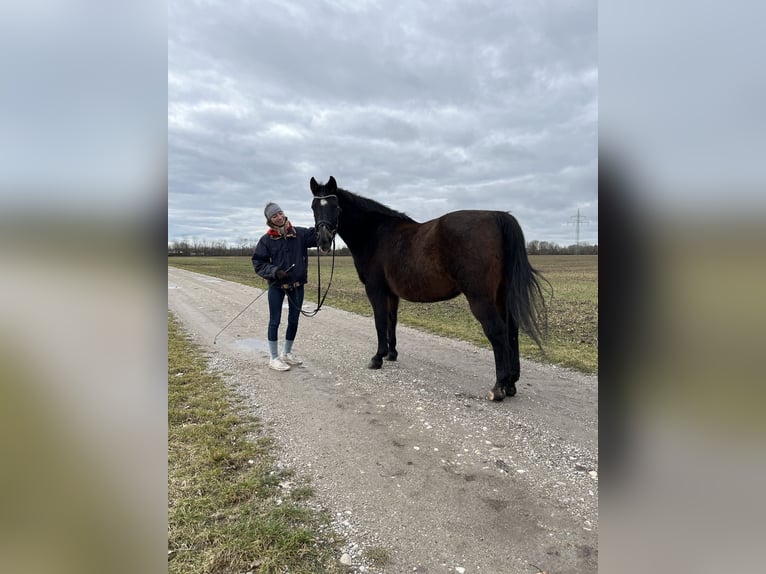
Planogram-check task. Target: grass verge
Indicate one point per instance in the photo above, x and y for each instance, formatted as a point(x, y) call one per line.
point(229, 510)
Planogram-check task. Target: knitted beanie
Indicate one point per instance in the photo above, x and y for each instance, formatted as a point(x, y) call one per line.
point(271, 210)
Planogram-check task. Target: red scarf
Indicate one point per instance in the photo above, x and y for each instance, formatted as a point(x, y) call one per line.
point(281, 232)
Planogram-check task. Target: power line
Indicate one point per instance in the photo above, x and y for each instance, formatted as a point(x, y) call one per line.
point(578, 220)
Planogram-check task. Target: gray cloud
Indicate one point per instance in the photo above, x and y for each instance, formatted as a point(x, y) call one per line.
point(428, 109)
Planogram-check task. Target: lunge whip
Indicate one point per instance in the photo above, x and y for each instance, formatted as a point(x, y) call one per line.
point(246, 308)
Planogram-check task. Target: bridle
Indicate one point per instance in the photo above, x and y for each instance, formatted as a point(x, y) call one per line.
point(332, 227)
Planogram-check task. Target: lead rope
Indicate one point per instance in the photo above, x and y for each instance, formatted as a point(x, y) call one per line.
point(320, 297)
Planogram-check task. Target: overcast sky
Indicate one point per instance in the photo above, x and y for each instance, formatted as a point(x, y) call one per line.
point(427, 107)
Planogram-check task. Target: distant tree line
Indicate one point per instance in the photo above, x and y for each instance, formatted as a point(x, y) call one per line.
point(245, 246)
point(547, 248)
point(202, 247)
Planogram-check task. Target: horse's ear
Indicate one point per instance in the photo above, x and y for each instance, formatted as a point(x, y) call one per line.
point(313, 184)
point(332, 184)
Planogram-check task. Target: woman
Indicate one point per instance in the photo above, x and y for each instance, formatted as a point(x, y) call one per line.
point(281, 257)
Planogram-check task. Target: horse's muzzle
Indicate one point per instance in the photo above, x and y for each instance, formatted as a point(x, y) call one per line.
point(324, 238)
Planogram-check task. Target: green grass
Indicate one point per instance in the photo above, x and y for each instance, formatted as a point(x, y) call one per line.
point(377, 556)
point(226, 510)
point(572, 339)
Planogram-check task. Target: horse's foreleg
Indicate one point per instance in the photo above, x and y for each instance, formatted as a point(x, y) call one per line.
point(393, 310)
point(379, 309)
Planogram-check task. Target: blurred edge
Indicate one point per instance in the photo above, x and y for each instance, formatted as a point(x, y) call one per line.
point(681, 425)
point(682, 276)
point(83, 308)
point(83, 399)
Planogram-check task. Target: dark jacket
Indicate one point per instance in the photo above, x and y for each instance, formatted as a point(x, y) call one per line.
point(274, 253)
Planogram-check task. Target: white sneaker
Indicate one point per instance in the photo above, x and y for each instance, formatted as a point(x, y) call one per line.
point(278, 365)
point(291, 359)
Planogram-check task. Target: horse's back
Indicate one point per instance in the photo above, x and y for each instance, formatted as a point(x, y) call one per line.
point(467, 231)
point(466, 219)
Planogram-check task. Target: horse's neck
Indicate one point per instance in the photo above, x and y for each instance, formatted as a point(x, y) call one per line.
point(358, 232)
point(360, 226)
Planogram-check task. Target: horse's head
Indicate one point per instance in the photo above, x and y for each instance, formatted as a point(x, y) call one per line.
point(326, 212)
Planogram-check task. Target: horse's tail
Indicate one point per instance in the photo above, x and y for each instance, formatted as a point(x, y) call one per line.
point(524, 293)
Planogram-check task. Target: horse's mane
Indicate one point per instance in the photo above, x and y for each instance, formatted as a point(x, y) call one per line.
point(370, 206)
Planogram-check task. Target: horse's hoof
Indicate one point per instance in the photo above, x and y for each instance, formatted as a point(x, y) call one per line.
point(510, 391)
point(375, 363)
point(392, 356)
point(496, 395)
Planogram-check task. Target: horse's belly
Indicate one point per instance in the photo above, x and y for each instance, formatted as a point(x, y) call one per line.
point(429, 295)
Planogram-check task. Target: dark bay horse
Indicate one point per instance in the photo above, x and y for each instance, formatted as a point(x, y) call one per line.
point(481, 254)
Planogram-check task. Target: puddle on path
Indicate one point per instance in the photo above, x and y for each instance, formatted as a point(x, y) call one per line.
point(252, 344)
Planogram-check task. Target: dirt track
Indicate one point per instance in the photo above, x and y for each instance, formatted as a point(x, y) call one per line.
point(412, 457)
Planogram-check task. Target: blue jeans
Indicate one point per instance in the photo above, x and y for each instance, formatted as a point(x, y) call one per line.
point(276, 300)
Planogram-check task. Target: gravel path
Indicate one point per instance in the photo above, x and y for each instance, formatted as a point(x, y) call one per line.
point(413, 458)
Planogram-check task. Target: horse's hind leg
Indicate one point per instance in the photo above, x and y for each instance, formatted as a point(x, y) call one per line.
point(497, 332)
point(513, 346)
point(393, 309)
